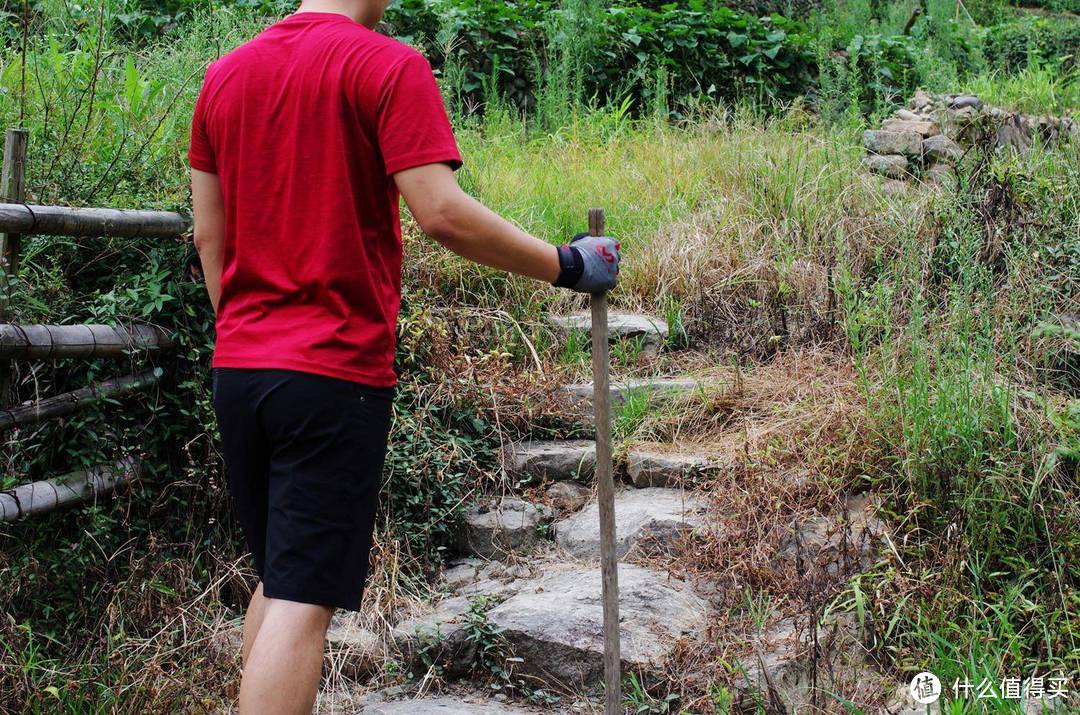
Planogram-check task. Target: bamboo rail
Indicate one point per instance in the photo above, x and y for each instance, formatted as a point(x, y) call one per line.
point(37, 342)
point(69, 402)
point(69, 489)
point(67, 221)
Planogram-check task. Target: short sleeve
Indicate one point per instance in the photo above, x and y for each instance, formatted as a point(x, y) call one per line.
point(412, 126)
point(200, 151)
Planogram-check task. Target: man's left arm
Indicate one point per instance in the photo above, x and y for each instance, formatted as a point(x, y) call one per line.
point(208, 209)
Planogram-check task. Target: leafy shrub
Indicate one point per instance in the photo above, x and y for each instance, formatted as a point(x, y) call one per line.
point(882, 69)
point(508, 47)
point(1045, 40)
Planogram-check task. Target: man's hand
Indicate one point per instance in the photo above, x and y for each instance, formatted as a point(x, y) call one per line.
point(590, 264)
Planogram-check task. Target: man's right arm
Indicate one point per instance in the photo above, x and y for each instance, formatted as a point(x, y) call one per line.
point(471, 230)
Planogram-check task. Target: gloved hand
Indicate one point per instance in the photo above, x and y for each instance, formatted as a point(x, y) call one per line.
point(589, 264)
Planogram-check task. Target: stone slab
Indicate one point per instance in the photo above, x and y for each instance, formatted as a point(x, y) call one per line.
point(892, 166)
point(649, 328)
point(443, 706)
point(647, 521)
point(922, 127)
point(555, 623)
point(879, 141)
point(658, 387)
point(540, 461)
point(650, 468)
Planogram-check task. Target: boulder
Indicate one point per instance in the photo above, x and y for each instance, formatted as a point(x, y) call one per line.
point(942, 149)
point(650, 468)
point(647, 521)
point(568, 496)
point(352, 649)
point(496, 527)
point(922, 127)
point(440, 637)
point(895, 187)
point(539, 461)
point(892, 166)
point(648, 328)
point(940, 174)
point(555, 623)
point(879, 141)
point(909, 116)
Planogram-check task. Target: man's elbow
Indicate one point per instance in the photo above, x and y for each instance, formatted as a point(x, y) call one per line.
point(441, 223)
point(206, 241)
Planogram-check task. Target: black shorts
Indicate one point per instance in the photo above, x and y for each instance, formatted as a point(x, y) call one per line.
point(303, 459)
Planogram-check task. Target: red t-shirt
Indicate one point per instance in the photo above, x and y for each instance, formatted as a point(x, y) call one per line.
point(304, 126)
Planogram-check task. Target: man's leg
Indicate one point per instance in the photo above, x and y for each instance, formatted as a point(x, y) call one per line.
point(252, 620)
point(284, 666)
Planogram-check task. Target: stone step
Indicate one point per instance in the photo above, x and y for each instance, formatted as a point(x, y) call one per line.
point(647, 521)
point(495, 527)
point(553, 621)
point(646, 466)
point(540, 461)
point(351, 649)
point(621, 326)
point(652, 467)
point(581, 394)
point(446, 705)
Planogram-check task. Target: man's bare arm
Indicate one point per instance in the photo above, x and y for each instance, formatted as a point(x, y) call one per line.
point(471, 230)
point(209, 214)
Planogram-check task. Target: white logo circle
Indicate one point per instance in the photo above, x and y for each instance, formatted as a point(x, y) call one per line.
point(925, 688)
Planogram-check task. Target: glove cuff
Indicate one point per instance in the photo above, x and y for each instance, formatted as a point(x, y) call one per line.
point(571, 266)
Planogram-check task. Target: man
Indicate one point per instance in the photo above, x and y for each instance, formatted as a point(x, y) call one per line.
point(301, 141)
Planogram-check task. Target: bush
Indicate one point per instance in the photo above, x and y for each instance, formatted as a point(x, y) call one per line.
point(510, 48)
point(1045, 40)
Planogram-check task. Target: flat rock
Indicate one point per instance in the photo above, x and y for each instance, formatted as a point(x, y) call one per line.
point(908, 116)
point(656, 387)
point(922, 127)
point(442, 706)
point(779, 666)
point(647, 521)
point(892, 166)
point(879, 141)
point(651, 468)
point(497, 526)
point(441, 636)
point(648, 328)
point(941, 148)
point(555, 623)
point(835, 543)
point(539, 461)
point(568, 496)
point(352, 649)
point(966, 100)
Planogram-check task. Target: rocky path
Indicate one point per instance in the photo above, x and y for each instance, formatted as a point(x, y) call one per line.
point(528, 574)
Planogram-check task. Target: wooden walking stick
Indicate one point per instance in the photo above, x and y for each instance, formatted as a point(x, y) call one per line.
point(605, 488)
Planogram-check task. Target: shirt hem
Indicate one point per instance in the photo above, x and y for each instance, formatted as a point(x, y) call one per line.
point(412, 161)
point(370, 379)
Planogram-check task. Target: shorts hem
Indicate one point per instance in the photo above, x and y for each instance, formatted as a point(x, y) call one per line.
point(296, 594)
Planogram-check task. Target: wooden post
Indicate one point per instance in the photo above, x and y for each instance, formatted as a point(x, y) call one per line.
point(68, 221)
point(605, 489)
point(12, 189)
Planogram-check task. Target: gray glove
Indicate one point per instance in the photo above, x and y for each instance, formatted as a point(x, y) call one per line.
point(589, 264)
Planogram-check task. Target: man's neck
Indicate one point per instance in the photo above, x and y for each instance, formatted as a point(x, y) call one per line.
point(356, 10)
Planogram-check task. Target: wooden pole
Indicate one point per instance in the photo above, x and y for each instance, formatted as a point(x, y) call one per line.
point(605, 489)
point(12, 189)
point(69, 402)
point(67, 221)
point(74, 488)
point(50, 342)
